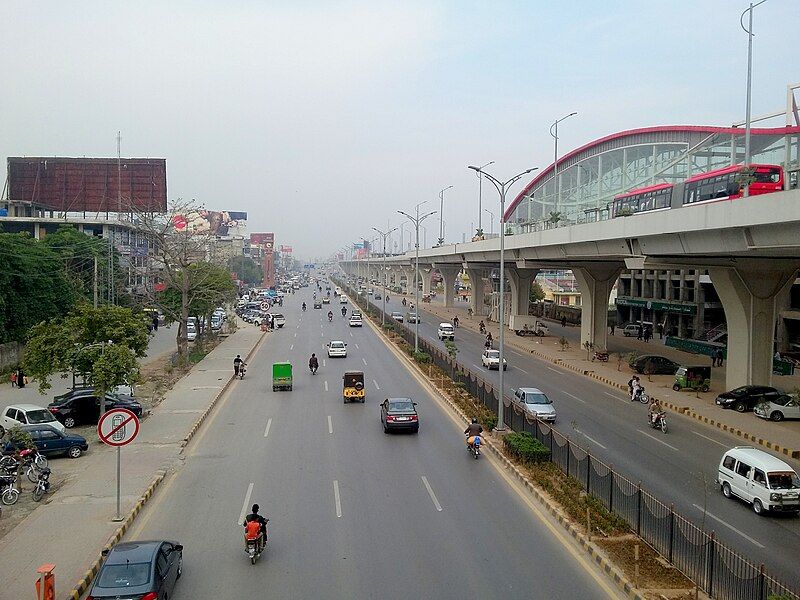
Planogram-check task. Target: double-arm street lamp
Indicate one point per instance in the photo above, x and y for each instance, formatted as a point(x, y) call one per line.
point(553, 127)
point(502, 187)
point(384, 235)
point(416, 221)
point(441, 214)
point(749, 31)
point(479, 232)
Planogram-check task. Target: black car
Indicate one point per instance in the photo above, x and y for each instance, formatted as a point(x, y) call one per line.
point(746, 397)
point(49, 441)
point(318, 304)
point(660, 364)
point(141, 570)
point(82, 406)
point(399, 413)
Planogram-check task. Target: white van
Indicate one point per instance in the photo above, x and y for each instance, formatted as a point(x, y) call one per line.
point(446, 332)
point(755, 476)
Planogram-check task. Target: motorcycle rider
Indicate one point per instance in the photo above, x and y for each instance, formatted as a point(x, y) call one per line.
point(237, 364)
point(344, 311)
point(473, 429)
point(634, 386)
point(330, 315)
point(482, 327)
point(404, 301)
point(254, 517)
point(488, 340)
point(654, 410)
point(304, 306)
point(313, 364)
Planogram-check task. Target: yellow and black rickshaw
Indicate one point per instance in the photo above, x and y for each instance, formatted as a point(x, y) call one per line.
point(353, 386)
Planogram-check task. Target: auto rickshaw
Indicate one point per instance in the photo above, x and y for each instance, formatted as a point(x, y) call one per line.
point(281, 376)
point(695, 378)
point(353, 386)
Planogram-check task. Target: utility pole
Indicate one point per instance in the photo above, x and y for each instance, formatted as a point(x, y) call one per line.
point(441, 214)
point(749, 31)
point(416, 221)
point(384, 235)
point(95, 282)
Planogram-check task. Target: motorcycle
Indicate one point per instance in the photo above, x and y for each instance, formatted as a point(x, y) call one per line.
point(330, 317)
point(9, 494)
point(304, 307)
point(482, 328)
point(242, 370)
point(252, 548)
point(641, 396)
point(600, 355)
point(42, 484)
point(659, 421)
point(474, 448)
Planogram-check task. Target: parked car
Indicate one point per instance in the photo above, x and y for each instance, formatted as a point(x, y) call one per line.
point(491, 360)
point(745, 398)
point(27, 414)
point(757, 477)
point(397, 316)
point(536, 402)
point(355, 321)
point(191, 331)
point(778, 409)
point(49, 441)
point(141, 570)
point(399, 413)
point(337, 349)
point(632, 329)
point(661, 365)
point(82, 406)
point(446, 332)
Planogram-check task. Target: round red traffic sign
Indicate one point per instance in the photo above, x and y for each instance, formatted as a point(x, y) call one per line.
point(118, 427)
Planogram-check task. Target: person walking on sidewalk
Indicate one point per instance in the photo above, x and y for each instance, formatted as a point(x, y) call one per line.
point(718, 355)
point(563, 321)
point(640, 332)
point(612, 329)
point(455, 321)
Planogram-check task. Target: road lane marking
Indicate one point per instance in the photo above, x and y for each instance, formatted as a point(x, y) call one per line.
point(295, 335)
point(615, 397)
point(377, 387)
point(556, 370)
point(710, 440)
point(652, 437)
point(291, 347)
point(591, 439)
point(523, 370)
point(326, 386)
point(323, 362)
point(430, 493)
point(351, 334)
point(574, 397)
point(337, 499)
point(330, 424)
point(477, 367)
point(246, 504)
point(269, 424)
point(731, 527)
point(364, 360)
point(357, 348)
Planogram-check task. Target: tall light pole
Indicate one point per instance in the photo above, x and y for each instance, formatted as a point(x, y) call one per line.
point(502, 187)
point(479, 232)
point(416, 221)
point(491, 223)
point(749, 31)
point(384, 235)
point(554, 126)
point(441, 214)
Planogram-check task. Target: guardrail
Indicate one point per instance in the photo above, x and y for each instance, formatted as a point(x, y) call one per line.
point(719, 571)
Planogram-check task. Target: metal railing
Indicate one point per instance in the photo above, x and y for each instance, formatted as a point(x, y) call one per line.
point(719, 571)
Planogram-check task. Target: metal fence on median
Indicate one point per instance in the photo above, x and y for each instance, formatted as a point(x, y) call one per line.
point(718, 570)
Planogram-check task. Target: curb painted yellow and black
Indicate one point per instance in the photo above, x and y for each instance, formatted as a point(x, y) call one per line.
point(85, 581)
point(683, 410)
point(594, 552)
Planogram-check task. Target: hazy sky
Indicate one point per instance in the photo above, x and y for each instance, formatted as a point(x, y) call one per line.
point(322, 119)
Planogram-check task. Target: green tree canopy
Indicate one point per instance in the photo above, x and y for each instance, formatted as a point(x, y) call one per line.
point(537, 293)
point(209, 287)
point(246, 270)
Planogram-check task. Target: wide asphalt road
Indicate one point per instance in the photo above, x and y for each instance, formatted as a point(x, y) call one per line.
point(679, 467)
point(355, 513)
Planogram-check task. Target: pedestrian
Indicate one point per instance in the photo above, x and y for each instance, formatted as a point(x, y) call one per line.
point(455, 321)
point(639, 332)
point(155, 322)
point(719, 355)
point(13, 379)
point(612, 329)
point(20, 378)
point(660, 327)
point(563, 321)
point(648, 334)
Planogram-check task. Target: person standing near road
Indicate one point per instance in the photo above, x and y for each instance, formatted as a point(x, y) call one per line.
point(155, 322)
point(455, 321)
point(20, 378)
point(563, 321)
point(640, 332)
point(719, 354)
point(612, 329)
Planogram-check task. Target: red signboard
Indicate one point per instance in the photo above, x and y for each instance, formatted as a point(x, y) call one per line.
point(286, 249)
point(267, 240)
point(89, 184)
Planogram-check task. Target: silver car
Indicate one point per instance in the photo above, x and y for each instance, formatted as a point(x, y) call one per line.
point(536, 402)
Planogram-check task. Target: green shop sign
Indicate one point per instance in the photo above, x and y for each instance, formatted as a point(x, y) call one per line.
point(671, 307)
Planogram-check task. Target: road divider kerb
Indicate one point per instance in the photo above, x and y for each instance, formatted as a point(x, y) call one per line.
point(591, 549)
point(683, 410)
point(84, 583)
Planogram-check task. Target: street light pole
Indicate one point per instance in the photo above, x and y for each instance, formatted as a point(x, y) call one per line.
point(502, 187)
point(384, 235)
point(441, 214)
point(479, 231)
point(749, 31)
point(416, 221)
point(491, 222)
point(555, 153)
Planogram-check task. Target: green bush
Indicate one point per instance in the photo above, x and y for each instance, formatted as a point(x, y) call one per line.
point(490, 422)
point(20, 439)
point(526, 447)
point(422, 358)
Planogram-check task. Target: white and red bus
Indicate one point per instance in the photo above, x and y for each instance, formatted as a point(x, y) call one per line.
point(722, 184)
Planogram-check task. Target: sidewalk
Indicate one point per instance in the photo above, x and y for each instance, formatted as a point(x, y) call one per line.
point(783, 437)
point(73, 524)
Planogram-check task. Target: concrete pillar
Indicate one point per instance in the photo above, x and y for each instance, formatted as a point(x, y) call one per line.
point(520, 281)
point(477, 297)
point(595, 285)
point(407, 285)
point(426, 280)
point(449, 275)
point(750, 295)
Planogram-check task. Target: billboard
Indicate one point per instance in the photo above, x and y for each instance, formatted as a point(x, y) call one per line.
point(286, 249)
point(89, 184)
point(267, 240)
point(219, 223)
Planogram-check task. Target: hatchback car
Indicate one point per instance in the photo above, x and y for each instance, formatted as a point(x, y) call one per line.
point(49, 441)
point(397, 316)
point(27, 414)
point(660, 364)
point(140, 570)
point(337, 349)
point(491, 360)
point(82, 406)
point(778, 409)
point(745, 398)
point(399, 413)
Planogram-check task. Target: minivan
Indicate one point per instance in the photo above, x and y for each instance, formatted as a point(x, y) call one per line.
point(757, 477)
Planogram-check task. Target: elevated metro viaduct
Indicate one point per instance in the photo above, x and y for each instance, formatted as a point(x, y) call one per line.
point(750, 246)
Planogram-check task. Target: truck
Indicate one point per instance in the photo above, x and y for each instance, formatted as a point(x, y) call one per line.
point(528, 325)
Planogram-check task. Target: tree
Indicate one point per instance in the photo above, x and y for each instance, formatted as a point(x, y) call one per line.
point(101, 343)
point(246, 270)
point(554, 218)
point(537, 293)
point(33, 286)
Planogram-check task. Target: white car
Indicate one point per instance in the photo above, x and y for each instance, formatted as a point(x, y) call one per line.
point(397, 316)
point(278, 320)
point(446, 332)
point(342, 299)
point(27, 414)
point(412, 317)
point(191, 331)
point(491, 360)
point(778, 409)
point(337, 349)
point(355, 321)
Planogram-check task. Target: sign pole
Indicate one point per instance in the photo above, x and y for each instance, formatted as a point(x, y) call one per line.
point(119, 473)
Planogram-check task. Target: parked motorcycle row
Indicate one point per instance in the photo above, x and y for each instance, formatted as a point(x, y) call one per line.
point(29, 463)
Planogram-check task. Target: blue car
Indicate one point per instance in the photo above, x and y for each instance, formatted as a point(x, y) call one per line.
point(51, 442)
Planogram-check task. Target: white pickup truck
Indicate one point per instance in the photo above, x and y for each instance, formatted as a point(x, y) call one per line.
point(529, 325)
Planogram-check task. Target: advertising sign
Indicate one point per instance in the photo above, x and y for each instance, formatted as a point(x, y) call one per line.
point(267, 240)
point(210, 222)
point(286, 249)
